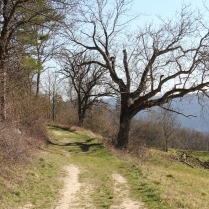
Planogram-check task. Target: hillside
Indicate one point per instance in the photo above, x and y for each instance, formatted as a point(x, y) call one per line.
point(188, 105)
point(76, 170)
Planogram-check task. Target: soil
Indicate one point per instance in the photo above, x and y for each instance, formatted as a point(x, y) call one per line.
point(72, 187)
point(76, 195)
point(121, 194)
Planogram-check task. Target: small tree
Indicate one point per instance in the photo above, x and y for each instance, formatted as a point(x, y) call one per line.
point(38, 48)
point(166, 120)
point(52, 89)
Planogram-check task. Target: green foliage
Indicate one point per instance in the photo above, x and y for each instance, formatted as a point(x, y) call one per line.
point(31, 64)
point(38, 12)
point(43, 37)
point(33, 37)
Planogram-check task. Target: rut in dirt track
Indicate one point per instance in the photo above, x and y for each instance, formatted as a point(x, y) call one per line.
point(73, 196)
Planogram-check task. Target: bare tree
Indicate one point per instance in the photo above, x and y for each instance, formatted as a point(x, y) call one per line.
point(52, 90)
point(87, 81)
point(150, 67)
point(166, 120)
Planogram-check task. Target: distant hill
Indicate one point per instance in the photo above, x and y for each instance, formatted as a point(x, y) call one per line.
point(187, 105)
point(190, 106)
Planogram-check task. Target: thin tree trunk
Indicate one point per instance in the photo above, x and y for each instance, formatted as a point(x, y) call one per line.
point(53, 106)
point(81, 115)
point(49, 104)
point(166, 144)
point(38, 83)
point(3, 71)
point(81, 110)
point(3, 95)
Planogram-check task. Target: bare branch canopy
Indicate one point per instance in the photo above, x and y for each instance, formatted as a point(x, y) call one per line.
point(151, 66)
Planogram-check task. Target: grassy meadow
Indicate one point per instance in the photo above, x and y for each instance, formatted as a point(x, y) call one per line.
point(158, 180)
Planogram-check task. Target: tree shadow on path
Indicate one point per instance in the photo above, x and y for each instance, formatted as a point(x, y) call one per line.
point(83, 146)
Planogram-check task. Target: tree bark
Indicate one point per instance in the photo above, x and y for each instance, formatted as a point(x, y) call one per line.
point(123, 134)
point(3, 76)
point(125, 121)
point(81, 117)
point(53, 106)
point(81, 114)
point(82, 107)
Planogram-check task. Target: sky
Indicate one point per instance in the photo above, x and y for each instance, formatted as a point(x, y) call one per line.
point(166, 8)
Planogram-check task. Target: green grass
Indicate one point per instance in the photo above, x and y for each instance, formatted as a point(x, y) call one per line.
point(180, 185)
point(98, 165)
point(203, 155)
point(39, 183)
point(160, 181)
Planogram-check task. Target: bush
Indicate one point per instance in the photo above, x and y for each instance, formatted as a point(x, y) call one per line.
point(15, 145)
point(102, 120)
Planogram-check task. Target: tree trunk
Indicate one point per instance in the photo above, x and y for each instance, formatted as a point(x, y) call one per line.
point(124, 128)
point(3, 72)
point(53, 106)
point(38, 83)
point(166, 144)
point(81, 114)
point(3, 96)
point(81, 120)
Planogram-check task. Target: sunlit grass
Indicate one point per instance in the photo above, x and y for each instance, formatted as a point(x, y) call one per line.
point(160, 181)
point(98, 165)
point(37, 184)
point(180, 185)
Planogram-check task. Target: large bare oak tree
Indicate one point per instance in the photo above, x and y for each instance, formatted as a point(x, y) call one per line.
point(149, 67)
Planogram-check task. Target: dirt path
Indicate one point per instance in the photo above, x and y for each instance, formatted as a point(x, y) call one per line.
point(121, 194)
point(80, 190)
point(71, 186)
point(76, 195)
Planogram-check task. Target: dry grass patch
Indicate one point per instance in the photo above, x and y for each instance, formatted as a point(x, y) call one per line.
point(180, 185)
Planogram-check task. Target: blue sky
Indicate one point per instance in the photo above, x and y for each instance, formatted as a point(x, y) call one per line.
point(165, 8)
